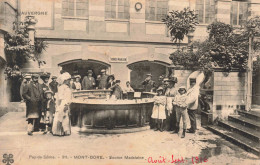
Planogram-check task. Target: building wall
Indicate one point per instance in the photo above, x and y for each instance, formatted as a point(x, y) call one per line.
point(96, 37)
point(229, 93)
point(7, 16)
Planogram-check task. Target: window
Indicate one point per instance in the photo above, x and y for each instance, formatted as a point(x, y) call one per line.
point(238, 12)
point(206, 11)
point(155, 10)
point(117, 9)
point(75, 8)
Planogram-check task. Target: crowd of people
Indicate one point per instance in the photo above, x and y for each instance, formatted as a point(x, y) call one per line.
point(47, 104)
point(48, 110)
point(103, 81)
point(171, 103)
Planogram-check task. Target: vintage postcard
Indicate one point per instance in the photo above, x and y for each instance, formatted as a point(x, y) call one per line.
point(129, 82)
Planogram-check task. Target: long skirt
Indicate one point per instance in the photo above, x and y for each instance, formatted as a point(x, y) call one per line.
point(61, 123)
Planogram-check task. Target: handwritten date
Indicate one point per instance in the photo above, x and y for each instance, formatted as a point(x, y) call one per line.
point(162, 159)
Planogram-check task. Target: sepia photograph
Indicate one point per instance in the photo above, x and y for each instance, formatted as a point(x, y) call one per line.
point(129, 82)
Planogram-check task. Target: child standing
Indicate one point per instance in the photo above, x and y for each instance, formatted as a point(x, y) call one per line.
point(48, 110)
point(181, 109)
point(159, 109)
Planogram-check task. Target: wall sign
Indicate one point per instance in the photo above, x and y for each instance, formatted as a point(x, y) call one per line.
point(118, 59)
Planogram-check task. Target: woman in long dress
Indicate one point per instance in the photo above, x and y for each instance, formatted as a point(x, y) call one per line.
point(61, 123)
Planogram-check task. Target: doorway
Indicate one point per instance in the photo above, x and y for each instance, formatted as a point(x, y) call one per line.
point(138, 71)
point(81, 67)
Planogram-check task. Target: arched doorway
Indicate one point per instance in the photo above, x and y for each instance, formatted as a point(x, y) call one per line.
point(81, 67)
point(138, 71)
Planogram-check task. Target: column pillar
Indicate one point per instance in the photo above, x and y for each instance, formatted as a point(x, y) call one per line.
point(30, 64)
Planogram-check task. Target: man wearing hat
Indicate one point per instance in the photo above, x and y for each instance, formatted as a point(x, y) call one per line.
point(103, 80)
point(160, 82)
point(26, 80)
point(181, 109)
point(149, 84)
point(54, 85)
point(192, 104)
point(33, 94)
point(88, 82)
point(170, 93)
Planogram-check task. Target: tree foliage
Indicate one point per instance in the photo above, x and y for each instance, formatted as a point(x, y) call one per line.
point(18, 48)
point(179, 23)
point(224, 48)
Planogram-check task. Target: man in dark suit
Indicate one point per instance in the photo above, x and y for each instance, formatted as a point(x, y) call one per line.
point(88, 82)
point(33, 95)
point(26, 81)
point(149, 84)
point(103, 80)
point(54, 85)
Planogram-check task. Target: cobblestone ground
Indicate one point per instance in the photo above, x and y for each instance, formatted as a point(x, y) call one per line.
point(147, 146)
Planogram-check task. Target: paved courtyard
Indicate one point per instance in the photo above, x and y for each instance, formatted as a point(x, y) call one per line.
point(134, 148)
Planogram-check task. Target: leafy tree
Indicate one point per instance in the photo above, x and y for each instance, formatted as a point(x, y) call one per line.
point(18, 48)
point(223, 48)
point(179, 23)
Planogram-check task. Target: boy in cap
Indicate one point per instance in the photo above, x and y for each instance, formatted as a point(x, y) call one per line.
point(181, 109)
point(33, 95)
point(88, 82)
point(48, 111)
point(54, 85)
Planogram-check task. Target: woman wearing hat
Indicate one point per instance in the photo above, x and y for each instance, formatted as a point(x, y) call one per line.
point(170, 93)
point(159, 109)
point(76, 85)
point(61, 123)
point(117, 90)
point(110, 81)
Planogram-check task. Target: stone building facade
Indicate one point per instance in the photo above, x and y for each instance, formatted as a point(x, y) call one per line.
point(125, 37)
